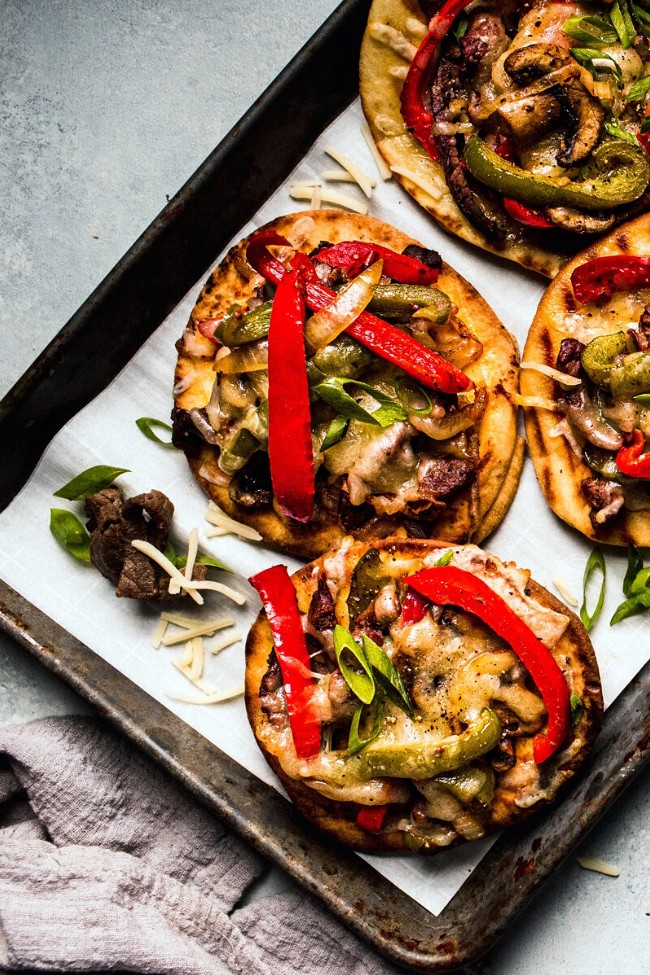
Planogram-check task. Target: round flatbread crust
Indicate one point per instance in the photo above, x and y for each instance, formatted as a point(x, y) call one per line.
point(380, 81)
point(574, 653)
point(471, 514)
point(559, 470)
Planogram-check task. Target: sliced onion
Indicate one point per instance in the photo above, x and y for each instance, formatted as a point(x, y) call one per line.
point(324, 326)
point(452, 423)
point(245, 358)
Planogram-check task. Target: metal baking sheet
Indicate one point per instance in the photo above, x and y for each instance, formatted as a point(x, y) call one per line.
point(86, 355)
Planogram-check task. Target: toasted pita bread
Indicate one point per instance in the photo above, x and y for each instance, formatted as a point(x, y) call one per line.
point(393, 33)
point(468, 514)
point(444, 659)
point(557, 458)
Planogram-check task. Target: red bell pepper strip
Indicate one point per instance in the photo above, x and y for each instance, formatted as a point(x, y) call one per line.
point(353, 255)
point(371, 818)
point(526, 215)
point(278, 597)
point(602, 276)
point(633, 459)
point(291, 454)
point(386, 341)
point(450, 585)
point(414, 608)
point(417, 117)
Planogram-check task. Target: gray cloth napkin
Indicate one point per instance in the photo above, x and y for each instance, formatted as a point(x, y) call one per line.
point(106, 863)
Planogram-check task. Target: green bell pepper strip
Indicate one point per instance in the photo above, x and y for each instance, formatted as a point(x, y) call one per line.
point(622, 175)
point(240, 329)
point(598, 356)
point(424, 757)
point(602, 276)
point(450, 585)
point(278, 597)
point(386, 341)
point(631, 376)
point(399, 301)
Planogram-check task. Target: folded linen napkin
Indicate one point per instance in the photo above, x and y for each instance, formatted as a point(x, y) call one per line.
point(106, 863)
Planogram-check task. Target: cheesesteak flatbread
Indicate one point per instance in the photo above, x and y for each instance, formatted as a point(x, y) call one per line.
point(407, 418)
point(411, 697)
point(588, 422)
point(518, 126)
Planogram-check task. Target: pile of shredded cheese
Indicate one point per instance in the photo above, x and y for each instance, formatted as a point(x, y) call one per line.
point(192, 632)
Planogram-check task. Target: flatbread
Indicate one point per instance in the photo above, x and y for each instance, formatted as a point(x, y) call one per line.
point(471, 512)
point(558, 459)
point(436, 656)
point(393, 33)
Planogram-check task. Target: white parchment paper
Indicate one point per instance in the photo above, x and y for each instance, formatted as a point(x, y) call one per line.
point(120, 630)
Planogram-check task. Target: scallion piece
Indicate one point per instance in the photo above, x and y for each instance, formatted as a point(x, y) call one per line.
point(387, 674)
point(361, 684)
point(356, 744)
point(70, 533)
point(146, 425)
point(622, 21)
point(89, 482)
point(333, 392)
point(335, 432)
point(595, 564)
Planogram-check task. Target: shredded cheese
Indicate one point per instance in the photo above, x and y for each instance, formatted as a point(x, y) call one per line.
point(536, 402)
point(598, 866)
point(198, 629)
point(316, 197)
point(364, 181)
point(560, 377)
point(220, 519)
point(225, 641)
point(158, 634)
point(302, 192)
point(380, 162)
point(189, 585)
point(192, 550)
point(215, 698)
point(434, 192)
point(218, 532)
point(337, 176)
point(564, 591)
point(157, 556)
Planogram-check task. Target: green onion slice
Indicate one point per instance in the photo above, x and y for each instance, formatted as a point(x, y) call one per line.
point(387, 674)
point(594, 31)
point(595, 564)
point(638, 90)
point(622, 21)
point(643, 399)
point(335, 432)
point(180, 561)
point(445, 559)
point(70, 533)
point(631, 606)
point(146, 425)
point(89, 481)
point(356, 744)
point(577, 708)
point(412, 397)
point(613, 128)
point(333, 392)
point(634, 566)
point(362, 684)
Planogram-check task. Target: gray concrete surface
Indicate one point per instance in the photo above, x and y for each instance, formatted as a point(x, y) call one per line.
point(107, 108)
